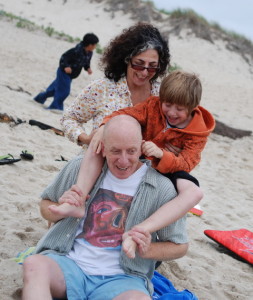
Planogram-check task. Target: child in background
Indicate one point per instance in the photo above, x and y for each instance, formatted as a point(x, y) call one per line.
point(175, 130)
point(70, 67)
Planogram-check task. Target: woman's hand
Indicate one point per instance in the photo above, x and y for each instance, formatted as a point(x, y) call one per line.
point(150, 149)
point(84, 138)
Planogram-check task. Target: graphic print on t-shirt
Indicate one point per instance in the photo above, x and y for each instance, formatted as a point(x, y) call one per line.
point(106, 218)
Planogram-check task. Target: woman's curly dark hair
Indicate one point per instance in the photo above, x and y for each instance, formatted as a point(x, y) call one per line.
point(131, 42)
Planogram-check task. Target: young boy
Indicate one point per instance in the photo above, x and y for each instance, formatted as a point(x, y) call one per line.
point(175, 130)
point(70, 67)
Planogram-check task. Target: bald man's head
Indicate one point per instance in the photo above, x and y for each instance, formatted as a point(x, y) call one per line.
point(122, 145)
point(123, 124)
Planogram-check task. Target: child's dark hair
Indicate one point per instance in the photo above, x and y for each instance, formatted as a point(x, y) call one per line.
point(90, 39)
point(181, 88)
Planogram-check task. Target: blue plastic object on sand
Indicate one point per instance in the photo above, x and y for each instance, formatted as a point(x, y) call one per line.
point(164, 290)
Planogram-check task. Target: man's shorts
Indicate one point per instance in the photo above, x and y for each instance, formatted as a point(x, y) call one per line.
point(81, 286)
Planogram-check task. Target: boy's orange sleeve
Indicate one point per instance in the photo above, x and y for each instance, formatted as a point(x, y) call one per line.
point(139, 112)
point(188, 158)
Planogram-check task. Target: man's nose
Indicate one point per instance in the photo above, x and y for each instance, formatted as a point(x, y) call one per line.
point(123, 159)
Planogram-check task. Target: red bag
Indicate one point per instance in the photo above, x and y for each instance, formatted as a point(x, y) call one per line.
point(238, 241)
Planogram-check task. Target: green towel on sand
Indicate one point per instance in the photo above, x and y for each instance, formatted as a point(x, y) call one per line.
point(21, 256)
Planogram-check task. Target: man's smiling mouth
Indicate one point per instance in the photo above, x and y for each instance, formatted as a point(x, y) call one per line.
point(122, 169)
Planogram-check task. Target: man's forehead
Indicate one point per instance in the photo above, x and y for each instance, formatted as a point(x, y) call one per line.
point(122, 147)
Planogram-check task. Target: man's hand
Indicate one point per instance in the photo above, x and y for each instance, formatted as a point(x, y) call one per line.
point(150, 149)
point(89, 71)
point(73, 196)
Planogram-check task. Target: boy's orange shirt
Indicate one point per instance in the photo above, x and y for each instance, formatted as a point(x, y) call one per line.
point(191, 139)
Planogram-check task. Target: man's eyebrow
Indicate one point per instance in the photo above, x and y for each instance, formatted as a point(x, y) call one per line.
point(114, 148)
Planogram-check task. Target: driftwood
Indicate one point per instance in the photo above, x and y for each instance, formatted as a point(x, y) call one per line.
point(4, 118)
point(233, 133)
point(44, 126)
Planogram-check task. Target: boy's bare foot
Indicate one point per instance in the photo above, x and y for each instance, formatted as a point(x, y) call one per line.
point(67, 210)
point(129, 247)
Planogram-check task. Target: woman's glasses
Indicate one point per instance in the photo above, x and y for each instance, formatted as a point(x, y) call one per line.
point(142, 68)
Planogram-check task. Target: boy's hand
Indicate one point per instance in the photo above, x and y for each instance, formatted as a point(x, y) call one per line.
point(175, 150)
point(128, 245)
point(150, 149)
point(68, 70)
point(96, 142)
point(73, 196)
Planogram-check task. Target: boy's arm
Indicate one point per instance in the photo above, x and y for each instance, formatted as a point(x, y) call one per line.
point(91, 167)
point(186, 160)
point(188, 196)
point(141, 239)
point(139, 112)
point(66, 57)
point(88, 56)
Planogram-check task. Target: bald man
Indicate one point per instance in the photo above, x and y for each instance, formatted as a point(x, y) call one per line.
point(82, 258)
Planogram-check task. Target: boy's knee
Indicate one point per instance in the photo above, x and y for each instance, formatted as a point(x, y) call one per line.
point(199, 193)
point(188, 187)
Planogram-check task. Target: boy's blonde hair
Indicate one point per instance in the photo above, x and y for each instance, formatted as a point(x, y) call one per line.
point(181, 88)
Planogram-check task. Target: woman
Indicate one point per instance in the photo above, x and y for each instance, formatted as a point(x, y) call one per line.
point(132, 63)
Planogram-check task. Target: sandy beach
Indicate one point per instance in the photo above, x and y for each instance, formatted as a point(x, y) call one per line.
point(29, 60)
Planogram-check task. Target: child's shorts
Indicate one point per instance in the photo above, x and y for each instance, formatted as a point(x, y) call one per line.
point(81, 286)
point(180, 174)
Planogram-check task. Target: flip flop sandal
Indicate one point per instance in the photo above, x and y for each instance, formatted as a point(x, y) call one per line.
point(8, 159)
point(26, 155)
point(62, 159)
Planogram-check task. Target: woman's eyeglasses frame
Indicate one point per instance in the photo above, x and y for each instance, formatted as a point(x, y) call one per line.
point(142, 68)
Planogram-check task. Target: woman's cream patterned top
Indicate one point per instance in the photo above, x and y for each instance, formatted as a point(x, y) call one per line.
point(98, 99)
